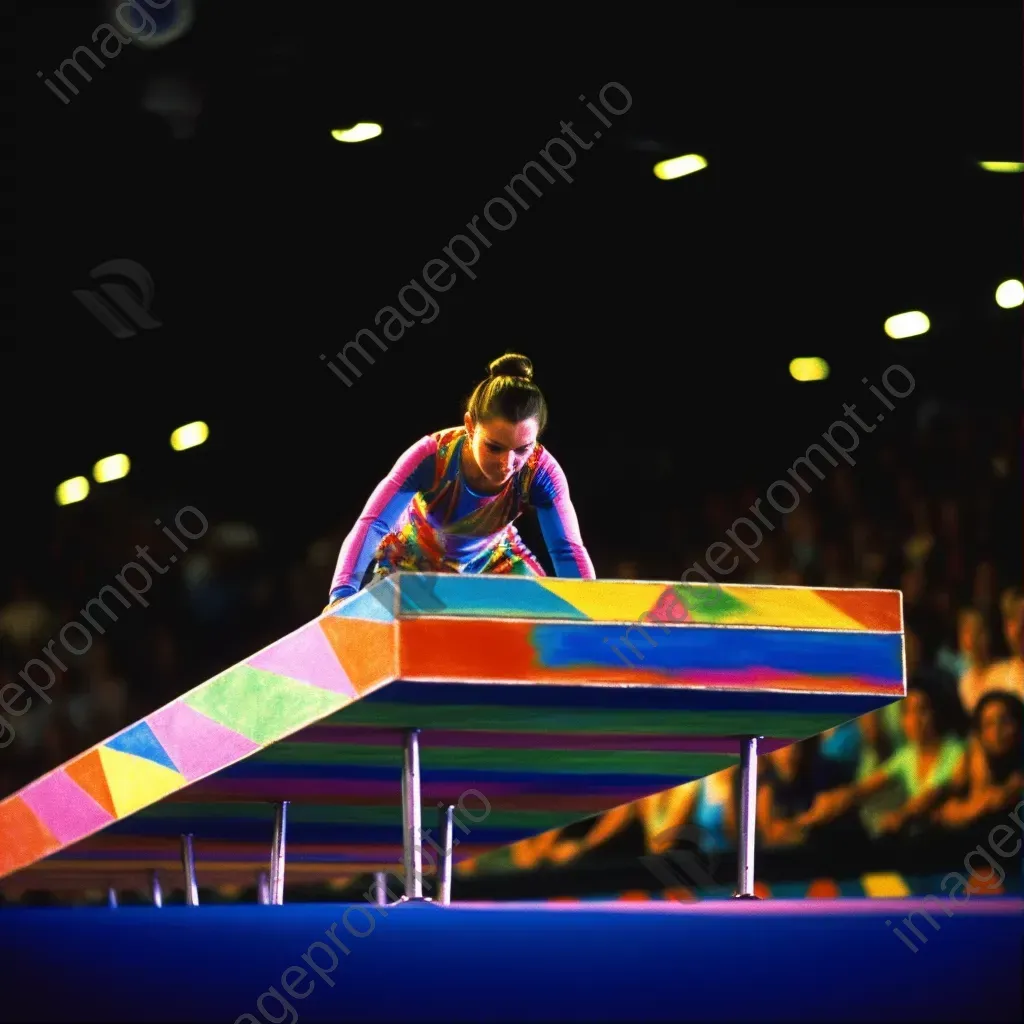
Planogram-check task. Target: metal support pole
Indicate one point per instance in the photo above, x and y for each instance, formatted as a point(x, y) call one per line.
point(112, 897)
point(380, 888)
point(277, 854)
point(154, 889)
point(444, 867)
point(263, 889)
point(748, 816)
point(188, 862)
point(411, 821)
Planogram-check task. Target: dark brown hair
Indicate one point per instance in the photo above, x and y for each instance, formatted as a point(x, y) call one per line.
point(1001, 768)
point(508, 393)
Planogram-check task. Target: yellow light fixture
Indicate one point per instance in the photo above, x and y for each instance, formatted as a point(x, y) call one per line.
point(907, 325)
point(679, 166)
point(1010, 294)
point(807, 368)
point(360, 132)
point(113, 467)
point(189, 435)
point(75, 489)
point(1001, 166)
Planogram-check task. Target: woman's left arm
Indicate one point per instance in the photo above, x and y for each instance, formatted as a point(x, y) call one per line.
point(549, 495)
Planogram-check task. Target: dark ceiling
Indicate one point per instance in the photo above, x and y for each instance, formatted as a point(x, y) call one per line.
point(841, 187)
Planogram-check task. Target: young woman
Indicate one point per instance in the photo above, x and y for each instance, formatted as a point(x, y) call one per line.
point(975, 657)
point(449, 503)
point(991, 779)
point(923, 770)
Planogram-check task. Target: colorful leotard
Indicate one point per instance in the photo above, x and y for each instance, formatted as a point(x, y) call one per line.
point(423, 517)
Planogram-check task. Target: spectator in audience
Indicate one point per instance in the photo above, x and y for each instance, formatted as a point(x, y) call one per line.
point(786, 792)
point(924, 769)
point(975, 650)
point(1007, 674)
point(707, 805)
point(925, 674)
point(985, 590)
point(842, 747)
point(713, 810)
point(990, 779)
point(877, 746)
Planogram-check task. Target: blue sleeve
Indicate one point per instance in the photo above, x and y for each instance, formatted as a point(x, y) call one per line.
point(549, 497)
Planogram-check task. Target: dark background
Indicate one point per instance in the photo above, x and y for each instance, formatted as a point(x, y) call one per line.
point(842, 187)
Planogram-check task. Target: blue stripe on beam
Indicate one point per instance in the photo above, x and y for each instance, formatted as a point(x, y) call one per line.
point(679, 649)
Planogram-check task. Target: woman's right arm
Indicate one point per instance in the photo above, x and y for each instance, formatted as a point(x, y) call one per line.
point(413, 472)
point(834, 803)
point(975, 794)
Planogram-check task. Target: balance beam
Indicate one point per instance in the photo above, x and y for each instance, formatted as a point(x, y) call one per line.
point(524, 704)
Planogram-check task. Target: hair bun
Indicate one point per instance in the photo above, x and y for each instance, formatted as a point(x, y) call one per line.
point(512, 364)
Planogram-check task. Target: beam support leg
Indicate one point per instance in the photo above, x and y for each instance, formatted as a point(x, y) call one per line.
point(444, 866)
point(277, 854)
point(411, 821)
point(188, 862)
point(748, 817)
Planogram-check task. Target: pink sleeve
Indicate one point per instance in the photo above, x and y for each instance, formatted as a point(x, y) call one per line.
point(413, 472)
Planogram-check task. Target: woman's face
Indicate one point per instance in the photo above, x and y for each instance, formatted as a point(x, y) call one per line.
point(997, 730)
point(500, 448)
point(918, 720)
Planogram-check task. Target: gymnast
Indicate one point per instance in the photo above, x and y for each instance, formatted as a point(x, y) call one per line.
point(450, 502)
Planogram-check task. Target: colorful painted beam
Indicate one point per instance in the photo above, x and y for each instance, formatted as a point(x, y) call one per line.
point(541, 702)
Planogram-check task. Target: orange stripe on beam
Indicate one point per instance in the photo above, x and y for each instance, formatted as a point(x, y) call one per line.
point(879, 610)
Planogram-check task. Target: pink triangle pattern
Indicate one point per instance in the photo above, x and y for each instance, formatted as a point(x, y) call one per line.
point(306, 656)
point(196, 744)
point(64, 807)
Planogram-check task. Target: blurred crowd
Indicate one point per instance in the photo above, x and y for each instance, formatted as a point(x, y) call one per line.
point(934, 512)
point(937, 515)
point(935, 772)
